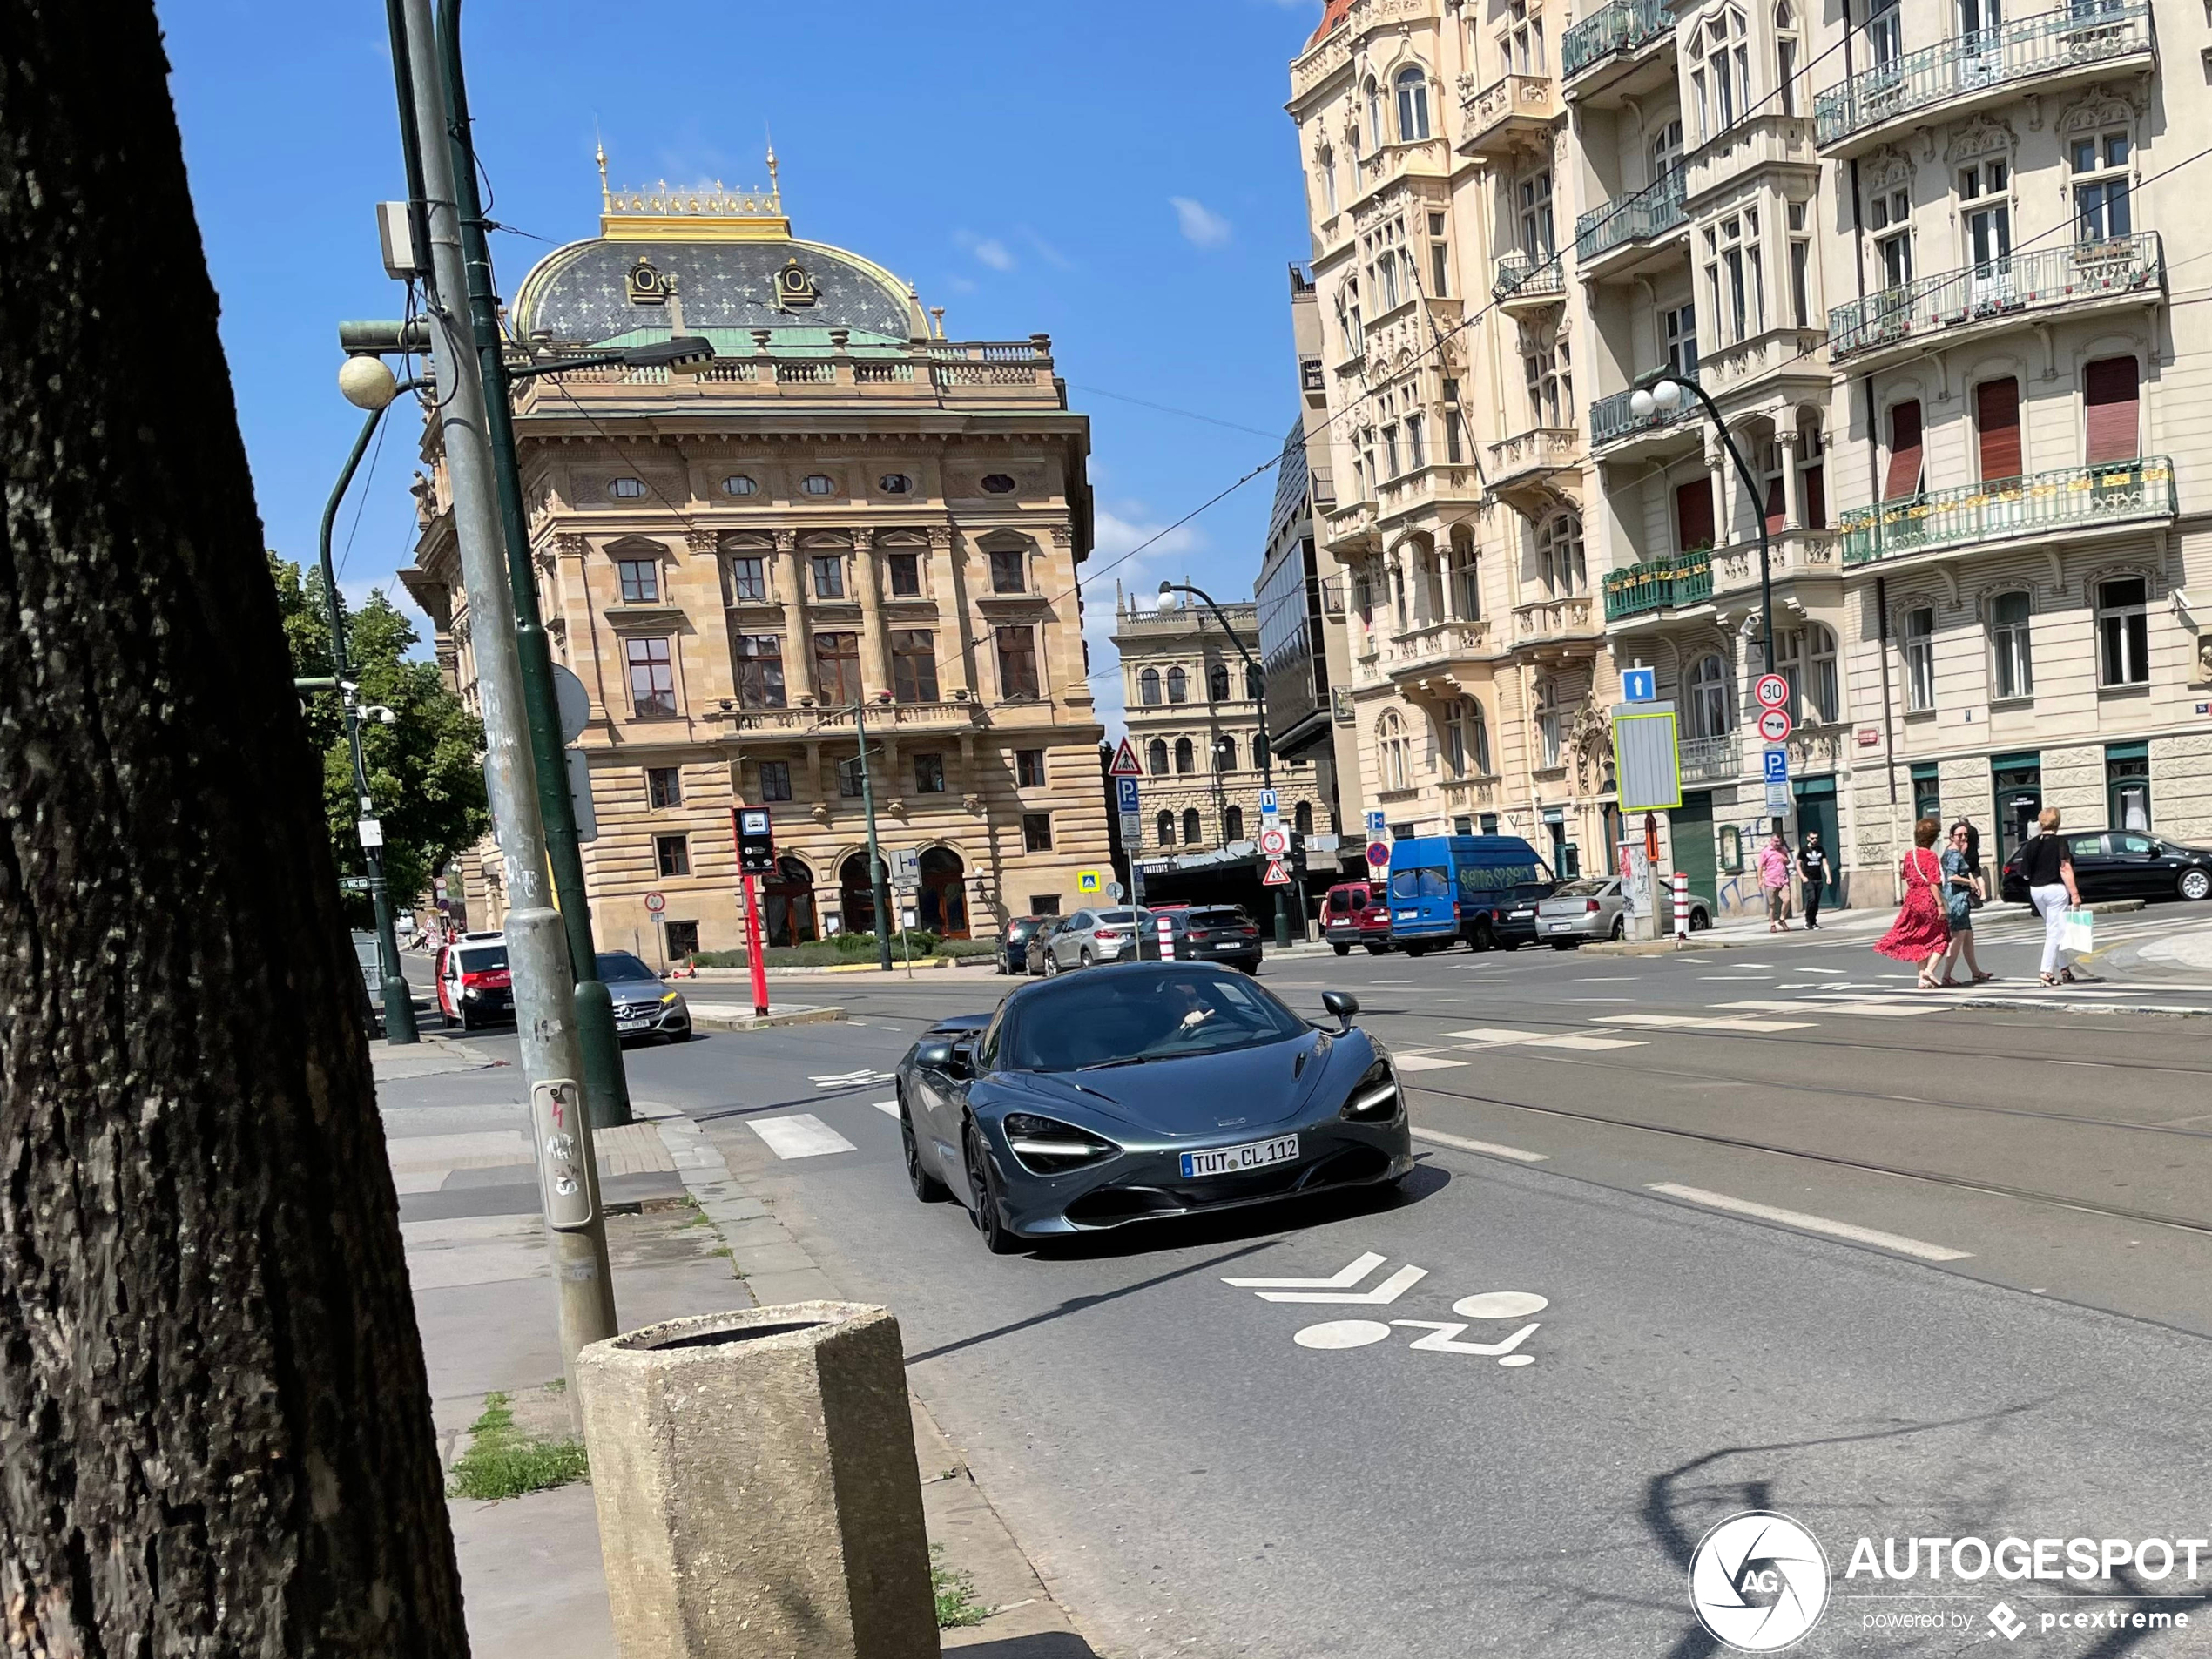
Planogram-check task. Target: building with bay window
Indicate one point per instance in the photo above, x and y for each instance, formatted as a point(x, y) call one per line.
point(847, 518)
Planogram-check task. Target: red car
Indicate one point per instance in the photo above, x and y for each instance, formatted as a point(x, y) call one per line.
point(1356, 912)
point(474, 985)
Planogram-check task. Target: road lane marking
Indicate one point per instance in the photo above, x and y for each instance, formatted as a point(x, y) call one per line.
point(1488, 1148)
point(1443, 1334)
point(1389, 1291)
point(1606, 979)
point(1344, 1280)
point(1494, 1034)
point(1699, 1022)
point(1499, 1305)
point(1424, 1062)
point(802, 1135)
point(1576, 1040)
point(1798, 1218)
point(888, 1107)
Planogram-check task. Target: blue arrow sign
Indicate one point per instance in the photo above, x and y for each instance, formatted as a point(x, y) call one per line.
point(1125, 789)
point(1640, 684)
point(1777, 766)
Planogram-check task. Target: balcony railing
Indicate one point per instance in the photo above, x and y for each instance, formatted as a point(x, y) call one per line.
point(2036, 281)
point(2070, 498)
point(2090, 31)
point(1655, 209)
point(1711, 760)
point(1519, 277)
point(1622, 26)
point(1656, 583)
point(1611, 418)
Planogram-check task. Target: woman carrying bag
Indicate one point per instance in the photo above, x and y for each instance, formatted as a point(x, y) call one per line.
point(1962, 890)
point(2047, 869)
point(1920, 934)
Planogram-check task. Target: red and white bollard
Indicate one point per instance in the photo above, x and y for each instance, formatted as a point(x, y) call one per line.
point(1167, 940)
point(1682, 904)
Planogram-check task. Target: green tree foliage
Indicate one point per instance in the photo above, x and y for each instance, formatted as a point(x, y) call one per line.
point(425, 770)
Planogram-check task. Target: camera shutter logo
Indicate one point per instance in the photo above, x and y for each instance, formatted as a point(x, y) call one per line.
point(1758, 1581)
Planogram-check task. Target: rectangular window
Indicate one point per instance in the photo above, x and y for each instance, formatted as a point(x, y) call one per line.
point(1919, 659)
point(1390, 450)
point(1890, 217)
point(775, 780)
point(682, 939)
point(2012, 662)
point(1415, 449)
point(1681, 324)
point(1693, 516)
point(652, 677)
point(1455, 437)
point(2123, 632)
point(672, 855)
point(1036, 832)
point(1439, 262)
point(748, 581)
point(1006, 572)
point(929, 774)
point(1927, 798)
point(640, 581)
point(1017, 663)
point(1028, 769)
point(760, 670)
point(829, 575)
point(2108, 389)
point(905, 575)
point(914, 665)
point(837, 669)
point(2127, 790)
point(2099, 169)
point(1801, 284)
point(850, 781)
point(1997, 428)
point(1904, 476)
point(663, 786)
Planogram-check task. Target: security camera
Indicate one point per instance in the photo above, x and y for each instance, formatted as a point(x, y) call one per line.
point(378, 712)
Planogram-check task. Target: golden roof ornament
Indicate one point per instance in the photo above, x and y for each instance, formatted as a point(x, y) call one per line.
point(693, 212)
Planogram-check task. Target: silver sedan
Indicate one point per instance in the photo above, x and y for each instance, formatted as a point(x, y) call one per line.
point(1592, 907)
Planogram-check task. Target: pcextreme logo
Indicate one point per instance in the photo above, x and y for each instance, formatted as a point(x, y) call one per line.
point(1758, 1581)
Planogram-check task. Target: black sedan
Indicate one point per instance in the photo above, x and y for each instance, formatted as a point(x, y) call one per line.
point(2125, 864)
point(1142, 1091)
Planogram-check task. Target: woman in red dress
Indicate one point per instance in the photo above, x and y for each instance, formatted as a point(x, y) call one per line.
point(1920, 932)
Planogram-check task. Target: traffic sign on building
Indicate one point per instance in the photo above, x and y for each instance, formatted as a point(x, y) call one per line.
point(1125, 762)
point(1772, 690)
point(1774, 724)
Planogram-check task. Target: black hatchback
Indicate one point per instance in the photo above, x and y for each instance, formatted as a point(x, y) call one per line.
point(1216, 934)
point(2125, 864)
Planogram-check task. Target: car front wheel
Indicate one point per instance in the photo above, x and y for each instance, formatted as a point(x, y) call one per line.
point(989, 1221)
point(1341, 950)
point(1051, 965)
point(1699, 922)
point(927, 1187)
point(2196, 884)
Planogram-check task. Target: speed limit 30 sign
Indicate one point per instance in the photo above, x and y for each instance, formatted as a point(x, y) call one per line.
point(1772, 690)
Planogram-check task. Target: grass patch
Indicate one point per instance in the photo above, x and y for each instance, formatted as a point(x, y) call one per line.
point(501, 1461)
point(957, 1603)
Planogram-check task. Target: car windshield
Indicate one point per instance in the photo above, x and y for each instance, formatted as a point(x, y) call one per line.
point(1228, 916)
point(1425, 882)
point(1586, 889)
point(1340, 902)
point(484, 959)
point(616, 966)
point(1125, 1018)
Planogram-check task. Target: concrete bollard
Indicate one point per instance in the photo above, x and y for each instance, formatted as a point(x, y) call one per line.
point(755, 1478)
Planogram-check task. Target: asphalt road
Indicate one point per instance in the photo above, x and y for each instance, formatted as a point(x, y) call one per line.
point(1803, 1239)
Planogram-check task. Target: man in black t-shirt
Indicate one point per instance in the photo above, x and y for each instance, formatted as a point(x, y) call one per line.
point(1812, 870)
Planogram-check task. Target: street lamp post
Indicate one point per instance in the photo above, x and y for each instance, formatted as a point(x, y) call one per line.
point(367, 384)
point(1168, 589)
point(1663, 396)
point(878, 882)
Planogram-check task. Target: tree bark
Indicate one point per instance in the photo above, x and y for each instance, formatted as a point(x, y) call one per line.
point(214, 1425)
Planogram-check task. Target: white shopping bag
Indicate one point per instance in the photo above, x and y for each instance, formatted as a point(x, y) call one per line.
point(2080, 936)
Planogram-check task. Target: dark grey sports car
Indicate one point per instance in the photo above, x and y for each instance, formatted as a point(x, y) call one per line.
point(1144, 1090)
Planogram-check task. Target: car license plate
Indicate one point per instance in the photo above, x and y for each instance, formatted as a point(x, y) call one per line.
point(1231, 1160)
point(1561, 927)
point(1522, 916)
point(632, 1025)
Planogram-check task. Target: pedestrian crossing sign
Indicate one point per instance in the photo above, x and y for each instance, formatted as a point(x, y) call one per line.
point(1091, 883)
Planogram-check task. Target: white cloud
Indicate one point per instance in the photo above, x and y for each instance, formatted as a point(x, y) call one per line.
point(960, 284)
point(987, 250)
point(1045, 250)
point(1201, 225)
point(1114, 535)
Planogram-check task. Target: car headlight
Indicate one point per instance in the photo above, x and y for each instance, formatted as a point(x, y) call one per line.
point(1374, 1098)
point(1046, 1146)
point(671, 997)
point(469, 994)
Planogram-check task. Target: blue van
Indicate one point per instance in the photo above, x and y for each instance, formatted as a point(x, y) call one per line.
point(1481, 888)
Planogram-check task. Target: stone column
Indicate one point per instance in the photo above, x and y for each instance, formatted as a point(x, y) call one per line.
point(799, 644)
point(950, 589)
point(1717, 468)
point(1793, 484)
point(875, 643)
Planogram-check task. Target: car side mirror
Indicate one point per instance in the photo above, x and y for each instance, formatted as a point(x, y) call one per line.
point(960, 1060)
point(936, 1052)
point(1343, 1005)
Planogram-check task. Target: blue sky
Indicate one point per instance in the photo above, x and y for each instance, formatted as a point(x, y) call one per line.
point(1120, 176)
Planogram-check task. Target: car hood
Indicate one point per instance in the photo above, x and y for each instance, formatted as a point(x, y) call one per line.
point(1200, 1097)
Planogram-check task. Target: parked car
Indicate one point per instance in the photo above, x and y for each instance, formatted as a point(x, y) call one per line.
point(1013, 953)
point(646, 1004)
point(1151, 1090)
point(473, 986)
point(1480, 888)
point(1214, 934)
point(1356, 912)
point(2126, 864)
point(1592, 907)
point(1087, 939)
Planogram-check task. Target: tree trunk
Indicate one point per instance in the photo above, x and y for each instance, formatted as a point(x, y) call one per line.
point(214, 1425)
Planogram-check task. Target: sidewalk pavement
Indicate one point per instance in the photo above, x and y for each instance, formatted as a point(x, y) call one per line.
point(2188, 953)
point(682, 1237)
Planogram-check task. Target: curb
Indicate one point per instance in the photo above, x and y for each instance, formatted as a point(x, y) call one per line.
point(1662, 946)
point(762, 1021)
point(738, 975)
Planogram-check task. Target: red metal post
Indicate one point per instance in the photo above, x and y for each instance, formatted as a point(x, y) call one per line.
point(753, 952)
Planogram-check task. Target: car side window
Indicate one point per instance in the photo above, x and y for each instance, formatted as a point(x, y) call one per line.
point(987, 1046)
point(2136, 847)
point(1081, 922)
point(2086, 846)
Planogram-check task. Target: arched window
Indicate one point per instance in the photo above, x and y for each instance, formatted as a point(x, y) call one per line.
point(1255, 687)
point(1225, 753)
point(1217, 683)
point(1302, 818)
point(1193, 831)
point(1148, 687)
point(1466, 581)
point(1232, 824)
point(1391, 748)
point(1179, 686)
point(1806, 658)
point(1185, 757)
point(1712, 710)
point(1326, 164)
point(1375, 128)
point(1413, 104)
point(1549, 724)
point(1164, 830)
point(1559, 553)
point(1155, 757)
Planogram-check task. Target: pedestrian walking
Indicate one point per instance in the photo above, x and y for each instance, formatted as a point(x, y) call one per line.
point(1920, 934)
point(1961, 887)
point(2047, 869)
point(1774, 876)
point(1812, 870)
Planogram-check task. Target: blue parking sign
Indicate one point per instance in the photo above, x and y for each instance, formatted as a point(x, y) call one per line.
point(1777, 766)
point(1125, 789)
point(1375, 825)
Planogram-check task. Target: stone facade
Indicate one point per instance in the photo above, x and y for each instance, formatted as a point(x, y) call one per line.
point(841, 511)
